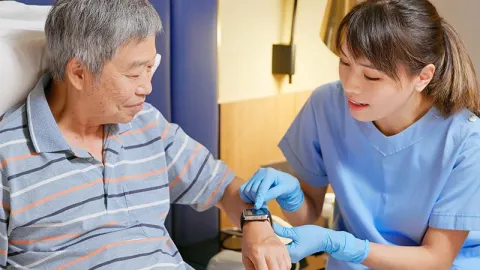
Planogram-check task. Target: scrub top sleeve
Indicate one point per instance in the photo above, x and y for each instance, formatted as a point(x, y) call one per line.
point(458, 207)
point(301, 146)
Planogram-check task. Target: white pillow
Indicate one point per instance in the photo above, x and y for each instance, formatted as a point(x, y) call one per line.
point(22, 51)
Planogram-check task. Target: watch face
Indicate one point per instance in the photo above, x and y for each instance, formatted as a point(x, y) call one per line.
point(256, 212)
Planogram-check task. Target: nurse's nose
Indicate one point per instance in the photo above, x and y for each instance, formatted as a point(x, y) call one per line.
point(351, 86)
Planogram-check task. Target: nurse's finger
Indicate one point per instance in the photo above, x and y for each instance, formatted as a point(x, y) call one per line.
point(262, 191)
point(274, 193)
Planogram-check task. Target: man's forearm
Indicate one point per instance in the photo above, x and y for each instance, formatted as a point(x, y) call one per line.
point(231, 203)
point(400, 257)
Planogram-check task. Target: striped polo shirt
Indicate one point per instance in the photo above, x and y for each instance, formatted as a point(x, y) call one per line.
point(63, 209)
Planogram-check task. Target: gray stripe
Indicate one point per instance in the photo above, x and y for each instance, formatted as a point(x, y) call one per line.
point(64, 209)
point(143, 144)
point(194, 180)
point(133, 257)
point(12, 129)
point(111, 150)
point(91, 200)
point(100, 234)
point(39, 168)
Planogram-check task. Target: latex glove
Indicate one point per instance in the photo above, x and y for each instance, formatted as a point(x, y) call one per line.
point(268, 184)
point(262, 249)
point(310, 239)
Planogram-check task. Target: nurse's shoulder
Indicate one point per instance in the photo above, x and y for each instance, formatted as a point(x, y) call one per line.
point(465, 128)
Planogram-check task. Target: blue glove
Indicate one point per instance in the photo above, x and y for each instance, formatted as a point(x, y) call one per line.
point(268, 184)
point(310, 239)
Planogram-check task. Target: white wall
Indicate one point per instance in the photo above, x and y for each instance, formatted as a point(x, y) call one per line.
point(464, 16)
point(247, 31)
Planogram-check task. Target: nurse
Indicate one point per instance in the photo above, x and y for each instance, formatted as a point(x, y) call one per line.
point(397, 138)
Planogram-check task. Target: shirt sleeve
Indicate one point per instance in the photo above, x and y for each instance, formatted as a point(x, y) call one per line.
point(195, 177)
point(457, 208)
point(301, 146)
point(4, 215)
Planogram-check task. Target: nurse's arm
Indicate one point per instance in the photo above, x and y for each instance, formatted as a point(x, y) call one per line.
point(438, 251)
point(311, 209)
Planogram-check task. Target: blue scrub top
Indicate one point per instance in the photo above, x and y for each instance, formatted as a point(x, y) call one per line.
point(389, 190)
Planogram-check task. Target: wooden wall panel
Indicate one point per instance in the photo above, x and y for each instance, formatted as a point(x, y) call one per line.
point(250, 132)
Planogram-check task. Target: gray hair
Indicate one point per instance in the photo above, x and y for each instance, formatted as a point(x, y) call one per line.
point(93, 30)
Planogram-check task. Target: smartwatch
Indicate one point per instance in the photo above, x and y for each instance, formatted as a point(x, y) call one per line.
point(249, 215)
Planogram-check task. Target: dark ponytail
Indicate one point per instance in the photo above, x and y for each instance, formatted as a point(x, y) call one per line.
point(454, 85)
point(411, 33)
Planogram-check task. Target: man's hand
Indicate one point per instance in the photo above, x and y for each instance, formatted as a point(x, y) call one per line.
point(261, 248)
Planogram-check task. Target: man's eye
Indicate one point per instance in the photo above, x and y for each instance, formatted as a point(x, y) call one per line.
point(133, 76)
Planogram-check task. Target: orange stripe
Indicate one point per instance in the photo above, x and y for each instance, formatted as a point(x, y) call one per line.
point(163, 214)
point(114, 137)
point(192, 157)
point(217, 188)
point(83, 186)
point(95, 252)
point(152, 124)
point(113, 223)
point(56, 195)
point(165, 132)
point(129, 177)
point(6, 207)
point(169, 243)
point(5, 161)
point(53, 238)
point(3, 252)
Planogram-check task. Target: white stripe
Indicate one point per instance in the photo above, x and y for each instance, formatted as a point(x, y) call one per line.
point(135, 161)
point(3, 237)
point(14, 142)
point(162, 265)
point(157, 115)
point(143, 112)
point(54, 179)
point(7, 189)
point(45, 259)
point(179, 153)
point(49, 225)
point(208, 182)
point(34, 139)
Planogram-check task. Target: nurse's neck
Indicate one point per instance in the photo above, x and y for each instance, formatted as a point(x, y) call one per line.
point(414, 109)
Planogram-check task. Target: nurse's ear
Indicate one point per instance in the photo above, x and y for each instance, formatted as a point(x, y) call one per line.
point(425, 77)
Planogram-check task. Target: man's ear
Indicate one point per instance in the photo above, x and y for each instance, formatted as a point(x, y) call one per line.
point(75, 72)
point(425, 77)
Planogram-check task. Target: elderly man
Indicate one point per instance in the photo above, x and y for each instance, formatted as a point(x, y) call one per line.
point(89, 169)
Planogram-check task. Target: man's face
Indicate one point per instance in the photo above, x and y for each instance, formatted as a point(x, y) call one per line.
point(121, 89)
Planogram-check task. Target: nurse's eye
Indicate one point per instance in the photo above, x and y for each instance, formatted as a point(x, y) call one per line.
point(371, 79)
point(344, 63)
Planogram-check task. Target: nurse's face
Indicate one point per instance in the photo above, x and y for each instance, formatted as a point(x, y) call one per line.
point(371, 94)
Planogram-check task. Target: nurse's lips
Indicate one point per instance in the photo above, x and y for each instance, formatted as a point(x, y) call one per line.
point(356, 106)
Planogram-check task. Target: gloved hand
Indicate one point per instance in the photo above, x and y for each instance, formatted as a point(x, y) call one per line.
point(310, 239)
point(268, 184)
